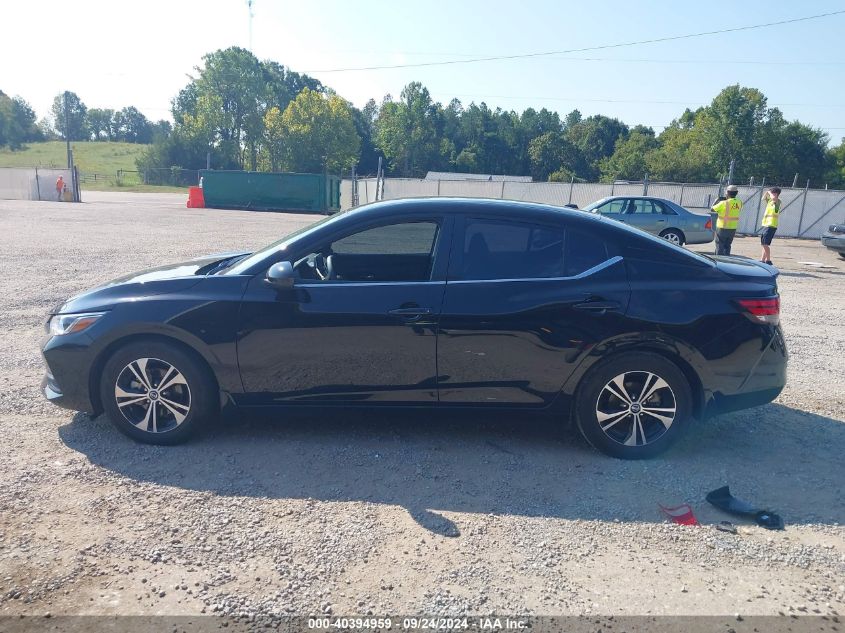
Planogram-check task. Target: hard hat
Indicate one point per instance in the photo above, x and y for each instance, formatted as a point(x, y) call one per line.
point(732, 189)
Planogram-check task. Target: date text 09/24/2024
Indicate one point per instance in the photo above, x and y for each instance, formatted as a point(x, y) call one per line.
point(418, 624)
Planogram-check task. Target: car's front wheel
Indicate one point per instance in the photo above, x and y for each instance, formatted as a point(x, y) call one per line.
point(157, 393)
point(634, 405)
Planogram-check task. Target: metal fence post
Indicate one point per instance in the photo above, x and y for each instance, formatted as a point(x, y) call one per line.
point(759, 202)
point(571, 185)
point(803, 204)
point(502, 195)
point(681, 201)
point(37, 184)
point(612, 187)
point(645, 185)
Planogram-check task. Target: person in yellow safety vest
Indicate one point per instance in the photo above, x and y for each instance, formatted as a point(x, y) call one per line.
point(728, 211)
point(770, 222)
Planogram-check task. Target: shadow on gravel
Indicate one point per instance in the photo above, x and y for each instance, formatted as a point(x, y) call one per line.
point(507, 464)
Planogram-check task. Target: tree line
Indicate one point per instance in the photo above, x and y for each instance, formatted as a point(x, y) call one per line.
point(259, 115)
point(72, 120)
point(243, 113)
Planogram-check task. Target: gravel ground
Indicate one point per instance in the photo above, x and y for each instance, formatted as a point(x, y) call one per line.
point(396, 513)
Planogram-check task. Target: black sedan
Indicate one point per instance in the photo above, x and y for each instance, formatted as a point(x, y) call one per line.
point(431, 303)
point(834, 239)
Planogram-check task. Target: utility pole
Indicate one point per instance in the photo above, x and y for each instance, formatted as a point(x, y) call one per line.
point(249, 4)
point(67, 133)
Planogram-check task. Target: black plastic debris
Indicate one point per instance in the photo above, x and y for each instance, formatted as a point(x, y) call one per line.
point(725, 501)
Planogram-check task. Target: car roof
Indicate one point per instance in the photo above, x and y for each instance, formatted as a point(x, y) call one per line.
point(639, 198)
point(487, 206)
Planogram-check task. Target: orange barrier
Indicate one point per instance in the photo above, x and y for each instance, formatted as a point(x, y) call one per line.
point(195, 198)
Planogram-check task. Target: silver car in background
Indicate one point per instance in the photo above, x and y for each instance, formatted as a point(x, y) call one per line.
point(658, 216)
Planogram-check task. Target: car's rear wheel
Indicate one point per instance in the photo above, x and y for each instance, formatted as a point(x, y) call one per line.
point(674, 236)
point(634, 405)
point(157, 393)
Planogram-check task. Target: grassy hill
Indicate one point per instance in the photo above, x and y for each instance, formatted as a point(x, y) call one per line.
point(102, 158)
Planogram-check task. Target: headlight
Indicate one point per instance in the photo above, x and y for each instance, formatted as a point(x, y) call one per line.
point(72, 323)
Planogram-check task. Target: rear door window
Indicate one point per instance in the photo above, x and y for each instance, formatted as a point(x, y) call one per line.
point(500, 249)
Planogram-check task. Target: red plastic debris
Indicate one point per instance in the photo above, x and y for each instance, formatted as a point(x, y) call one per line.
point(682, 514)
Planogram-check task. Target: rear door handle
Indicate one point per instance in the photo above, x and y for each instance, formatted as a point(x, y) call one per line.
point(597, 306)
point(410, 314)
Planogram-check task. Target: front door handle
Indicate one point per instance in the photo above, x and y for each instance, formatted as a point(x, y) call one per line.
point(410, 314)
point(599, 306)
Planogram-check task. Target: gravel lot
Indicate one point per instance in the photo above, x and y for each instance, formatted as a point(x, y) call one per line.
point(399, 513)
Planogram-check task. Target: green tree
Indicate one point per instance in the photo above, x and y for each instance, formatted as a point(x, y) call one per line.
point(365, 127)
point(274, 140)
point(406, 131)
point(131, 126)
point(17, 122)
point(228, 104)
point(728, 130)
point(284, 84)
point(73, 126)
point(161, 129)
point(681, 156)
point(572, 119)
point(628, 161)
point(835, 175)
point(596, 137)
point(785, 149)
point(100, 123)
point(551, 152)
point(315, 132)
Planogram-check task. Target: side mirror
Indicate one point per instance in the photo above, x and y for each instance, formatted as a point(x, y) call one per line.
point(280, 276)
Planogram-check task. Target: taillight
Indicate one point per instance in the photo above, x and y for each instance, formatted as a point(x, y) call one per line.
point(709, 224)
point(761, 310)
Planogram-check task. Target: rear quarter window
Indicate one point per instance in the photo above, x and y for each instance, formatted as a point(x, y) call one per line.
point(584, 250)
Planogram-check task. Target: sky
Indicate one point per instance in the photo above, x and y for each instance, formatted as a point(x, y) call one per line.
point(119, 54)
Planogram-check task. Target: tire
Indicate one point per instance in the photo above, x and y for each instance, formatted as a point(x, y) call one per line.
point(189, 398)
point(842, 255)
point(674, 236)
point(614, 434)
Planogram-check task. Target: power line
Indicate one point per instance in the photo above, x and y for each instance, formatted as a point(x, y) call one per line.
point(633, 60)
point(642, 101)
point(579, 50)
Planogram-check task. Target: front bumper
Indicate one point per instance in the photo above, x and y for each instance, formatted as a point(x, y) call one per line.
point(68, 362)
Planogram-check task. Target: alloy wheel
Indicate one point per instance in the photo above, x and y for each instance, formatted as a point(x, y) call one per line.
point(152, 395)
point(636, 408)
point(673, 237)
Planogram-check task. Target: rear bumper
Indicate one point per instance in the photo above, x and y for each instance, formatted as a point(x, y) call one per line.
point(699, 237)
point(834, 241)
point(762, 384)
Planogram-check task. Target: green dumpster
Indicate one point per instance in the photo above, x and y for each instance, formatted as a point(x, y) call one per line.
point(316, 193)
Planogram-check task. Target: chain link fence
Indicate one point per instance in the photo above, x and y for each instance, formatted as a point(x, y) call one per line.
point(170, 176)
point(805, 212)
point(37, 183)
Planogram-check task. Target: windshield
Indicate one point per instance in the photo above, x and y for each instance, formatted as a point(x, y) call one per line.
point(243, 265)
point(595, 204)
